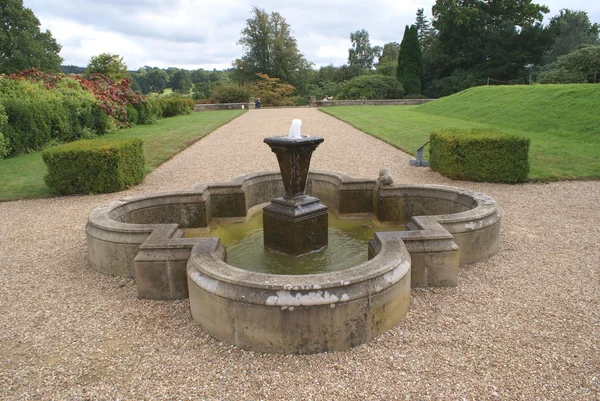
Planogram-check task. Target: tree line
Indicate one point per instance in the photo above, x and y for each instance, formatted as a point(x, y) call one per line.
point(463, 43)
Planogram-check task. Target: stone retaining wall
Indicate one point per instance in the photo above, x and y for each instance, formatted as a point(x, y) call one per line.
point(378, 102)
point(222, 106)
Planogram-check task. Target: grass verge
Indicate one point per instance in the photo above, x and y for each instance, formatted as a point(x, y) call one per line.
point(22, 177)
point(561, 121)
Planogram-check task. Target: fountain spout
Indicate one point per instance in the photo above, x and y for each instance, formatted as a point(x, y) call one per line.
point(293, 155)
point(295, 223)
point(295, 131)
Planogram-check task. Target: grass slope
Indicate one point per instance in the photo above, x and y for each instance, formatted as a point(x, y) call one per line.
point(562, 121)
point(22, 177)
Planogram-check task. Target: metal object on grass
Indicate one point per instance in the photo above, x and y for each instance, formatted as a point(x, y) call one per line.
point(419, 162)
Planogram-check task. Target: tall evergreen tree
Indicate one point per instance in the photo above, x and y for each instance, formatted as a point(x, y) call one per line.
point(410, 61)
point(424, 30)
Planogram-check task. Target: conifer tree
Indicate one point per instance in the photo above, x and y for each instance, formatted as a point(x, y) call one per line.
point(410, 62)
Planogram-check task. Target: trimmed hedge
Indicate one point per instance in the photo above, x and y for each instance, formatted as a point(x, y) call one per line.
point(94, 166)
point(479, 155)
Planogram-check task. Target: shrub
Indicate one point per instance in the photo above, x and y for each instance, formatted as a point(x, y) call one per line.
point(272, 92)
point(372, 86)
point(174, 106)
point(94, 166)
point(49, 109)
point(113, 95)
point(132, 114)
point(231, 93)
point(479, 155)
point(29, 128)
point(148, 111)
point(301, 101)
point(3, 146)
point(3, 141)
point(458, 81)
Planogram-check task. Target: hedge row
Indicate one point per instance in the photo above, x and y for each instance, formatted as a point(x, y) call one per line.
point(94, 166)
point(479, 155)
point(41, 110)
point(3, 141)
point(36, 116)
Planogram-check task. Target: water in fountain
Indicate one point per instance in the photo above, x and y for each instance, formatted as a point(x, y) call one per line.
point(347, 245)
point(295, 234)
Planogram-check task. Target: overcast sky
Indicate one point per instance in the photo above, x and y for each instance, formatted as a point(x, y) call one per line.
point(201, 33)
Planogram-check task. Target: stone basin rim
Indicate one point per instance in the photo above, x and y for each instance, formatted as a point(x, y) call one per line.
point(353, 275)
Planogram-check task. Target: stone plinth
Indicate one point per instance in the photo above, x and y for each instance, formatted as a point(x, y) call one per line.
point(295, 226)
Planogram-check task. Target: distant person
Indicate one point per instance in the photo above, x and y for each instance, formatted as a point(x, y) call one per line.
point(325, 99)
point(257, 103)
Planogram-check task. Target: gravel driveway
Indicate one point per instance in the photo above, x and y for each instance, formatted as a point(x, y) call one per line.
point(524, 324)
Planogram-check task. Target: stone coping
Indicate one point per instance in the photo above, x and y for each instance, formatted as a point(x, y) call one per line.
point(116, 231)
point(387, 261)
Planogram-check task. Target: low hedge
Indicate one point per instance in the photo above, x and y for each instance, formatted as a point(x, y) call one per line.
point(94, 166)
point(174, 106)
point(479, 155)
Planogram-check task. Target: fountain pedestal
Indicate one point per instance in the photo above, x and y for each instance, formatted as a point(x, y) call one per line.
point(294, 224)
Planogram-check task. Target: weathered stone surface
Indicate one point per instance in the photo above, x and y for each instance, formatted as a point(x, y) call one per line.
point(470, 220)
point(300, 314)
point(295, 226)
point(448, 227)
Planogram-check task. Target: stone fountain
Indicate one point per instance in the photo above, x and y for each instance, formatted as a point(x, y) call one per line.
point(143, 237)
point(295, 223)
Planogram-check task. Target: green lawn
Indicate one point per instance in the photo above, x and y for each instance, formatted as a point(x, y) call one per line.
point(562, 121)
point(22, 177)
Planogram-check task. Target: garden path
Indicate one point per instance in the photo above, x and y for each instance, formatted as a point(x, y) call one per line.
point(521, 325)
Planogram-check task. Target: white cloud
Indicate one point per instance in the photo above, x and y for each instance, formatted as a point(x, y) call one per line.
point(202, 33)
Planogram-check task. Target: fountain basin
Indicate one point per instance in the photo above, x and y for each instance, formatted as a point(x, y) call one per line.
point(300, 314)
point(142, 237)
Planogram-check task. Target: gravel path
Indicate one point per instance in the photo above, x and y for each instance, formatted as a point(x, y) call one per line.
point(523, 325)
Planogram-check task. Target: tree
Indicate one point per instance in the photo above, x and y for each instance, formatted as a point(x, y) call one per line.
point(71, 69)
point(424, 30)
point(109, 65)
point(150, 79)
point(272, 92)
point(492, 38)
point(579, 66)
point(22, 44)
point(269, 49)
point(361, 54)
point(388, 60)
point(371, 86)
point(410, 61)
point(181, 82)
point(569, 29)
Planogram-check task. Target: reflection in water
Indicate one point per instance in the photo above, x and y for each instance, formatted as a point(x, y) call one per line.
point(348, 242)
